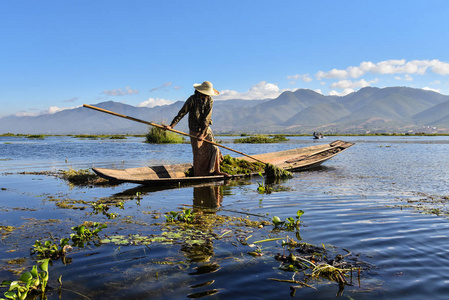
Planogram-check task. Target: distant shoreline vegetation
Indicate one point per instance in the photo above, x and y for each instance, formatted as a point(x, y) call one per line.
point(337, 134)
point(124, 136)
point(101, 136)
point(78, 136)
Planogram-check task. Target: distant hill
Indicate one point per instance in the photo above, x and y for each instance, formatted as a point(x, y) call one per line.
point(436, 115)
point(316, 115)
point(392, 109)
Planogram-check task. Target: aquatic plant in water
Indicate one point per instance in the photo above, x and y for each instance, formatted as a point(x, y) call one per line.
point(261, 139)
point(117, 137)
point(99, 136)
point(36, 136)
point(263, 188)
point(82, 177)
point(186, 216)
point(84, 234)
point(34, 281)
point(99, 207)
point(103, 209)
point(158, 135)
point(312, 263)
point(5, 230)
point(290, 223)
point(51, 250)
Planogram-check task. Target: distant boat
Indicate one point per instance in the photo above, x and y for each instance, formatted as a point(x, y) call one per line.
point(318, 135)
point(298, 159)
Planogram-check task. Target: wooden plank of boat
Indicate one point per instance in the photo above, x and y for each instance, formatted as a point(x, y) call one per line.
point(294, 160)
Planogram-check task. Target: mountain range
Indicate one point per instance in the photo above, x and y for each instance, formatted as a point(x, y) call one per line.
point(390, 109)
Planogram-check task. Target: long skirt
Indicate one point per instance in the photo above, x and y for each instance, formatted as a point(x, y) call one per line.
point(205, 155)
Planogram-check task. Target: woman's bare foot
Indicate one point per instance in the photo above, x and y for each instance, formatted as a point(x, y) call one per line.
point(222, 173)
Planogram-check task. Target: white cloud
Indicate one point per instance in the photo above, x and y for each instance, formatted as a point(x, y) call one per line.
point(294, 78)
point(351, 85)
point(71, 100)
point(406, 77)
point(49, 111)
point(431, 89)
point(55, 109)
point(151, 102)
point(394, 66)
point(343, 93)
point(120, 92)
point(163, 86)
point(261, 90)
point(334, 73)
point(26, 114)
point(439, 67)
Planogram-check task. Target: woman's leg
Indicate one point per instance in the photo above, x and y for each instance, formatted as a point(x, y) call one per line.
point(217, 166)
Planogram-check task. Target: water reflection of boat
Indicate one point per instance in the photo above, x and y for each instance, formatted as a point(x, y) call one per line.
point(293, 160)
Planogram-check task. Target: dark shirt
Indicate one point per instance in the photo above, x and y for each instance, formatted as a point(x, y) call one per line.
point(200, 113)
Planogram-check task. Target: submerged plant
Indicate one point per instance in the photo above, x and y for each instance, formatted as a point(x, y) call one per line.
point(6, 230)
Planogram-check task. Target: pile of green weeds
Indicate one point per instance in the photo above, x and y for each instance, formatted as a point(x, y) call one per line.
point(234, 166)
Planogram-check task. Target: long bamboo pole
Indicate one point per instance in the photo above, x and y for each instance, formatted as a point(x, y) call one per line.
point(165, 128)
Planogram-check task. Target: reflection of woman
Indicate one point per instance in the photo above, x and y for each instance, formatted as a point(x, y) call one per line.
point(207, 196)
point(206, 157)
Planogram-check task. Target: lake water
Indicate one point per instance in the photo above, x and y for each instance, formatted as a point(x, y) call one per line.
point(383, 202)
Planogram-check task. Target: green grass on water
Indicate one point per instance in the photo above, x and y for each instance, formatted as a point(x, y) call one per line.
point(158, 135)
point(262, 139)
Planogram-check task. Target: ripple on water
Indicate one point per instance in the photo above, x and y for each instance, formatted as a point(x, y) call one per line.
point(353, 202)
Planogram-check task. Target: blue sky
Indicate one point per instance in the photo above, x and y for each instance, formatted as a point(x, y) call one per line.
point(60, 54)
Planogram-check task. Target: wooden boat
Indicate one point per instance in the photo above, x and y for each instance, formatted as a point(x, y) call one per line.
point(294, 160)
point(318, 135)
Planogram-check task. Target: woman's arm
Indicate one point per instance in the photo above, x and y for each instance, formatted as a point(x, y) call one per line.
point(182, 112)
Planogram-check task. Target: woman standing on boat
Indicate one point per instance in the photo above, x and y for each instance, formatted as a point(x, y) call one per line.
point(206, 157)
